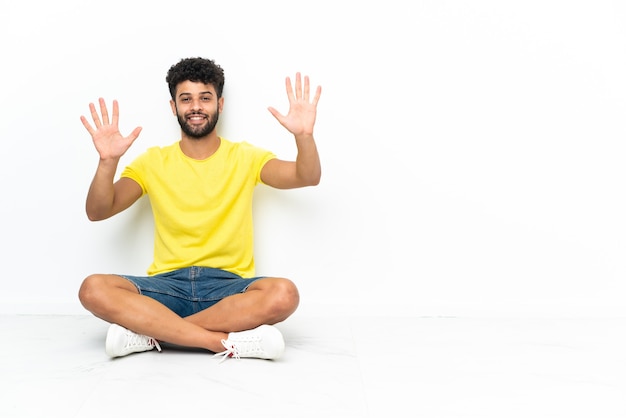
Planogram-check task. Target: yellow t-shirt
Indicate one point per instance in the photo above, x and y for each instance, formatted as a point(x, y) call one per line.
point(202, 208)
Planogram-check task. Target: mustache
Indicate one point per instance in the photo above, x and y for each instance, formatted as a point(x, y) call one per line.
point(196, 113)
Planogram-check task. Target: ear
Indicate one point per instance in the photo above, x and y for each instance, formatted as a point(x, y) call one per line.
point(173, 106)
point(220, 104)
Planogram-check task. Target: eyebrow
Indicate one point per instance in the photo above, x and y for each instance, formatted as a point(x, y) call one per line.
point(200, 94)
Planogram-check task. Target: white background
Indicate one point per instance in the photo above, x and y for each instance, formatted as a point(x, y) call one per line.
point(472, 151)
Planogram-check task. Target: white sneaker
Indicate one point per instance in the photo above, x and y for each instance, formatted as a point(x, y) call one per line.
point(265, 342)
point(121, 341)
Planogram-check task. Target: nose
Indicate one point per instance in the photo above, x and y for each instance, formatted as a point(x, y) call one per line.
point(195, 105)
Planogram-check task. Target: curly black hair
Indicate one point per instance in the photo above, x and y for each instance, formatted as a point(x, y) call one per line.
point(198, 69)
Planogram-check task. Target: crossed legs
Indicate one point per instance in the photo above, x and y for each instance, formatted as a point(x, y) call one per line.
point(116, 300)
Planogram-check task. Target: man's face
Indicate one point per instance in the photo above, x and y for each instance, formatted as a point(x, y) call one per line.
point(197, 108)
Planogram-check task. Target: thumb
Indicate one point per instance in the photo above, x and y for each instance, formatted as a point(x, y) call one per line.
point(135, 133)
point(275, 113)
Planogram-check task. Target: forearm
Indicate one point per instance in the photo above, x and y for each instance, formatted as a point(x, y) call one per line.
point(308, 166)
point(100, 198)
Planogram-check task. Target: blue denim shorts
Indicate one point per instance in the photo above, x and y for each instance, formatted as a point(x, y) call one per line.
point(192, 289)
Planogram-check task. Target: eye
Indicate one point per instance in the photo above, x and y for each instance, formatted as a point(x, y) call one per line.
point(206, 99)
point(185, 99)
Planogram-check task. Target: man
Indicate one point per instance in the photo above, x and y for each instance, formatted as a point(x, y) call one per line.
point(201, 289)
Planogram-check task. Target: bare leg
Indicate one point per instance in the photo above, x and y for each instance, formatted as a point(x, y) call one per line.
point(116, 300)
point(266, 301)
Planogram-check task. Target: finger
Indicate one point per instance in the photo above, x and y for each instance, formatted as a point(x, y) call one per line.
point(116, 112)
point(275, 113)
point(289, 89)
point(94, 115)
point(318, 93)
point(134, 134)
point(87, 125)
point(104, 112)
point(306, 88)
point(298, 86)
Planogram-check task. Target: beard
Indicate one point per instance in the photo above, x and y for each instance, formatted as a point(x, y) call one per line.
point(198, 131)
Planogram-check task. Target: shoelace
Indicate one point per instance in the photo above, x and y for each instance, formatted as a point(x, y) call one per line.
point(247, 347)
point(229, 352)
point(137, 340)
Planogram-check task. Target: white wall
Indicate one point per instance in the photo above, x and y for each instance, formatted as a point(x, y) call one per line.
point(472, 151)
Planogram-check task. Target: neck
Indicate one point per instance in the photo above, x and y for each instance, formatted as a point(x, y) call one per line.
point(200, 148)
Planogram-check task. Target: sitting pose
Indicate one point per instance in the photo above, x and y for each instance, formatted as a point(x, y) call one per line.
point(200, 290)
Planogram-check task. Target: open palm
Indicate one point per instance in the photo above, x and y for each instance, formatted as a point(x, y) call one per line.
point(300, 119)
point(106, 136)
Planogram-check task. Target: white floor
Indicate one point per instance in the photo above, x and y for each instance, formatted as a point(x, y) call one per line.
point(55, 366)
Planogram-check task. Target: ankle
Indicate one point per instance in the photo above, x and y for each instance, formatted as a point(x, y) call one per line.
point(215, 341)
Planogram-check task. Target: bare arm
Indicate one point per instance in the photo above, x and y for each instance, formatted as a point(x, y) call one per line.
point(300, 121)
point(106, 198)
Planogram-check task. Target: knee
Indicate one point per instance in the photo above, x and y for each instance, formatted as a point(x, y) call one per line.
point(87, 290)
point(288, 293)
point(90, 291)
point(285, 297)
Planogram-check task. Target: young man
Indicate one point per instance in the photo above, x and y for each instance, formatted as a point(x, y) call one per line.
point(201, 289)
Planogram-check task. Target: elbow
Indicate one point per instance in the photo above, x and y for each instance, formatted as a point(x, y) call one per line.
point(315, 181)
point(94, 215)
point(93, 218)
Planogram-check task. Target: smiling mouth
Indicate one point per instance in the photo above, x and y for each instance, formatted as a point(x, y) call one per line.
point(196, 118)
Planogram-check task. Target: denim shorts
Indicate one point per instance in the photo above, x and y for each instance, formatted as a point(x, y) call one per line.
point(192, 289)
